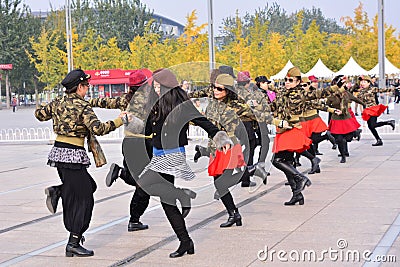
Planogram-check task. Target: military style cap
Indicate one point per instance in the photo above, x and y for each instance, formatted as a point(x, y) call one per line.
point(137, 78)
point(243, 76)
point(227, 70)
point(293, 72)
point(305, 80)
point(365, 77)
point(74, 78)
point(225, 79)
point(166, 78)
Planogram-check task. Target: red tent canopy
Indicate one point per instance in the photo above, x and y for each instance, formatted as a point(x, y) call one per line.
point(114, 76)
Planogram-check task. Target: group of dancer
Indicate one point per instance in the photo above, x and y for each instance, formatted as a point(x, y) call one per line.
point(156, 113)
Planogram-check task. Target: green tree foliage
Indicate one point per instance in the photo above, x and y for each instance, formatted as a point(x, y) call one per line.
point(16, 26)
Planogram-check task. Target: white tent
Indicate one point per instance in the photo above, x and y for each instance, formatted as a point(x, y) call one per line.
point(320, 70)
point(282, 74)
point(351, 68)
point(389, 68)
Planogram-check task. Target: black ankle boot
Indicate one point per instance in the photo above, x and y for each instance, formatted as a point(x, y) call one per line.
point(295, 198)
point(184, 246)
point(185, 199)
point(53, 195)
point(75, 249)
point(201, 151)
point(301, 182)
point(297, 161)
point(112, 174)
point(378, 143)
point(392, 123)
point(137, 226)
point(315, 165)
point(234, 217)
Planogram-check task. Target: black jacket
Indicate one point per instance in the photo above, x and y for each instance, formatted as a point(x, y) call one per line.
point(172, 132)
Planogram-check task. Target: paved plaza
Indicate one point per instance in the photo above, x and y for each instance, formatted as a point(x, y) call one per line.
point(351, 215)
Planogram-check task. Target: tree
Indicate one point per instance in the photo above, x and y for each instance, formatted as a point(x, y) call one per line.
point(17, 25)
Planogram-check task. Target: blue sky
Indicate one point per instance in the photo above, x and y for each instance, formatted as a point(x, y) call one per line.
point(179, 9)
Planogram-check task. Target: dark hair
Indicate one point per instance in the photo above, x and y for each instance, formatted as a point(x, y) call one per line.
point(214, 74)
point(169, 99)
point(71, 90)
point(336, 79)
point(131, 92)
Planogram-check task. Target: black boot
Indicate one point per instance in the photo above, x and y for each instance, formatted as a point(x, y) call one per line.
point(378, 143)
point(184, 246)
point(201, 151)
point(331, 139)
point(301, 182)
point(112, 174)
point(315, 165)
point(53, 195)
point(357, 134)
point(343, 160)
point(75, 249)
point(137, 226)
point(392, 123)
point(234, 217)
point(297, 180)
point(295, 198)
point(258, 170)
point(185, 198)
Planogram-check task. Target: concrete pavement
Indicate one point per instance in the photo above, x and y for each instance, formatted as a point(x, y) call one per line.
point(350, 210)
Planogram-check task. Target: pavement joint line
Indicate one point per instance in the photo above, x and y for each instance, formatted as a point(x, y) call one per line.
point(197, 226)
point(2, 231)
point(386, 242)
point(21, 188)
point(323, 208)
point(16, 169)
point(92, 231)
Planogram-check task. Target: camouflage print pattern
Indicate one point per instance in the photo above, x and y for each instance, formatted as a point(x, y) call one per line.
point(367, 95)
point(73, 116)
point(289, 104)
point(259, 106)
point(109, 103)
point(205, 92)
point(342, 102)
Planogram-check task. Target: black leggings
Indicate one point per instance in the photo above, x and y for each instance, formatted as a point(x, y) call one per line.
point(77, 198)
point(262, 132)
point(373, 124)
point(162, 185)
point(222, 184)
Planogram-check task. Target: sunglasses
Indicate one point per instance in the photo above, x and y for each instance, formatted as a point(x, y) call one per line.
point(85, 84)
point(304, 84)
point(289, 80)
point(218, 88)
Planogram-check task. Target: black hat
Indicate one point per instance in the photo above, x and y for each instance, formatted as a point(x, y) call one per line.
point(74, 78)
point(262, 79)
point(227, 70)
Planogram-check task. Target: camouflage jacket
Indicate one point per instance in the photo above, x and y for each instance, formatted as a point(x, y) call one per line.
point(342, 102)
point(258, 102)
point(367, 95)
point(136, 106)
point(289, 104)
point(74, 117)
point(205, 92)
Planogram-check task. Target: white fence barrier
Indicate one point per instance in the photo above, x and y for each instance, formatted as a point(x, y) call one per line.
point(46, 134)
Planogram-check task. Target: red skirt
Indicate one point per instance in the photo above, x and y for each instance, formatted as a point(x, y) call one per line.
point(375, 111)
point(343, 126)
point(232, 159)
point(293, 140)
point(316, 125)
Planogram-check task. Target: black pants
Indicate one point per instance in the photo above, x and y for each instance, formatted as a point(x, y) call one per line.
point(77, 198)
point(137, 153)
point(162, 185)
point(248, 138)
point(373, 124)
point(262, 133)
point(341, 141)
point(222, 184)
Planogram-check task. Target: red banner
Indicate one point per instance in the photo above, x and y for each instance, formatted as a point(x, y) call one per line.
point(5, 66)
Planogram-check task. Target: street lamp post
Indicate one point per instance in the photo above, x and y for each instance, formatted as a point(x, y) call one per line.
point(211, 52)
point(68, 27)
point(381, 45)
